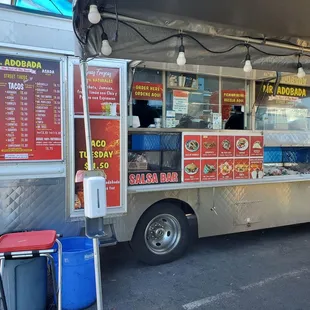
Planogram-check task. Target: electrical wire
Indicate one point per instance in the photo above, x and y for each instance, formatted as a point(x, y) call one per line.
point(185, 35)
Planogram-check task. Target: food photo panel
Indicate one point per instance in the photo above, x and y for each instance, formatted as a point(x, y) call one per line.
point(191, 147)
point(225, 169)
point(257, 146)
point(256, 168)
point(242, 146)
point(191, 170)
point(226, 146)
point(242, 168)
point(209, 170)
point(209, 146)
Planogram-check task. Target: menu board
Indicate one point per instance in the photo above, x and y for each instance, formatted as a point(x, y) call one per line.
point(222, 157)
point(106, 157)
point(103, 91)
point(30, 109)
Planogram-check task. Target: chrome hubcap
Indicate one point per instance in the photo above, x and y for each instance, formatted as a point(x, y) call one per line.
point(162, 234)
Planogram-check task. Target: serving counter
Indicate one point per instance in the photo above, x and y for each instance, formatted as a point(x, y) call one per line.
point(178, 158)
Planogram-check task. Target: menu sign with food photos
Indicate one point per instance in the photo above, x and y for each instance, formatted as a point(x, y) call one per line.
point(226, 146)
point(225, 169)
point(191, 170)
point(241, 168)
point(30, 109)
point(219, 156)
point(242, 146)
point(257, 146)
point(256, 168)
point(208, 170)
point(209, 146)
point(192, 146)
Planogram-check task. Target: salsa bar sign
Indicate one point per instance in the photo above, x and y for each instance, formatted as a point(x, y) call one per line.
point(30, 109)
point(153, 178)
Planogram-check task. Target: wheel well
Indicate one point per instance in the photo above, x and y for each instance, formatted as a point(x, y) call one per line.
point(185, 207)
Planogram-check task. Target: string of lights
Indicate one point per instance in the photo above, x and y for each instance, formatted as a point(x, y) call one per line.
point(95, 18)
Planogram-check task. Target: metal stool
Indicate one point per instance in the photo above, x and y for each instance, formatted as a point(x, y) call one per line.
point(33, 244)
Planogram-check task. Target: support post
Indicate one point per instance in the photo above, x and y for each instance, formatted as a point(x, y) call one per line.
point(88, 140)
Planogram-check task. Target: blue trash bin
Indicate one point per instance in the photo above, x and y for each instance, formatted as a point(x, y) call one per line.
point(78, 278)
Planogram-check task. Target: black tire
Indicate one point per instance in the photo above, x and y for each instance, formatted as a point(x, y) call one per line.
point(138, 243)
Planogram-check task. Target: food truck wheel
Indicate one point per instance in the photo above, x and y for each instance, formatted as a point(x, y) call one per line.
point(161, 235)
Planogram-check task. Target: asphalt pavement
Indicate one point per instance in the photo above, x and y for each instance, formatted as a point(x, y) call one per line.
point(255, 270)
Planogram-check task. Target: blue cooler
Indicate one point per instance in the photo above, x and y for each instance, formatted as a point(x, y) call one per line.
point(78, 277)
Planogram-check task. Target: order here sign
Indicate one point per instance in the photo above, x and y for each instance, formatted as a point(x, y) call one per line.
point(147, 91)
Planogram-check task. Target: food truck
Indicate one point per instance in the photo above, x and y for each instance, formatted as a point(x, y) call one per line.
point(183, 171)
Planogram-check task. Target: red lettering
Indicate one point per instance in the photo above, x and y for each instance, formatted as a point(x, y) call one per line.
point(163, 178)
point(175, 177)
point(132, 179)
point(155, 178)
point(149, 178)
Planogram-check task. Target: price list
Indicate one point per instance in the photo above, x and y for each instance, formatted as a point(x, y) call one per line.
point(30, 109)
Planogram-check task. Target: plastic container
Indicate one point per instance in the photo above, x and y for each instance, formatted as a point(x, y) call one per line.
point(170, 142)
point(78, 277)
point(145, 142)
point(25, 283)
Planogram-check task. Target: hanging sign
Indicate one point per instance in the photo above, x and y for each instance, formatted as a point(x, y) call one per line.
point(147, 91)
point(233, 97)
point(30, 111)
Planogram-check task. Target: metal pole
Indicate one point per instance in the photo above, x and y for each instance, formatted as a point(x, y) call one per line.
point(83, 68)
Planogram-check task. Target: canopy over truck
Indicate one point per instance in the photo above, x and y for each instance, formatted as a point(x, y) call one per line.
point(272, 34)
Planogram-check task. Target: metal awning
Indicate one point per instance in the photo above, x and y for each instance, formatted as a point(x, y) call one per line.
point(277, 27)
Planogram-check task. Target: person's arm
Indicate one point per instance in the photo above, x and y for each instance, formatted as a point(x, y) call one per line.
point(228, 123)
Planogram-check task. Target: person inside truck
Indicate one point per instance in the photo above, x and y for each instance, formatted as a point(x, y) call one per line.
point(236, 121)
point(145, 113)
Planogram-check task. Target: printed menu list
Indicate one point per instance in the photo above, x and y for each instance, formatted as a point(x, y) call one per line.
point(30, 109)
point(222, 157)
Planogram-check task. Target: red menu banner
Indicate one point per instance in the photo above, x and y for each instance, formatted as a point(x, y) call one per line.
point(106, 155)
point(147, 91)
point(242, 168)
point(191, 170)
point(226, 146)
point(257, 146)
point(242, 144)
point(209, 146)
point(222, 157)
point(208, 169)
point(225, 169)
point(103, 91)
point(192, 145)
point(30, 109)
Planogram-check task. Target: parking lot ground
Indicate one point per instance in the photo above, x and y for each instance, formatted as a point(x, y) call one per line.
point(255, 270)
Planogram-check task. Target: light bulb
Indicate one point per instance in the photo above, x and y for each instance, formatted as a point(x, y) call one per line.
point(301, 72)
point(106, 48)
point(94, 16)
point(181, 60)
point(247, 66)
